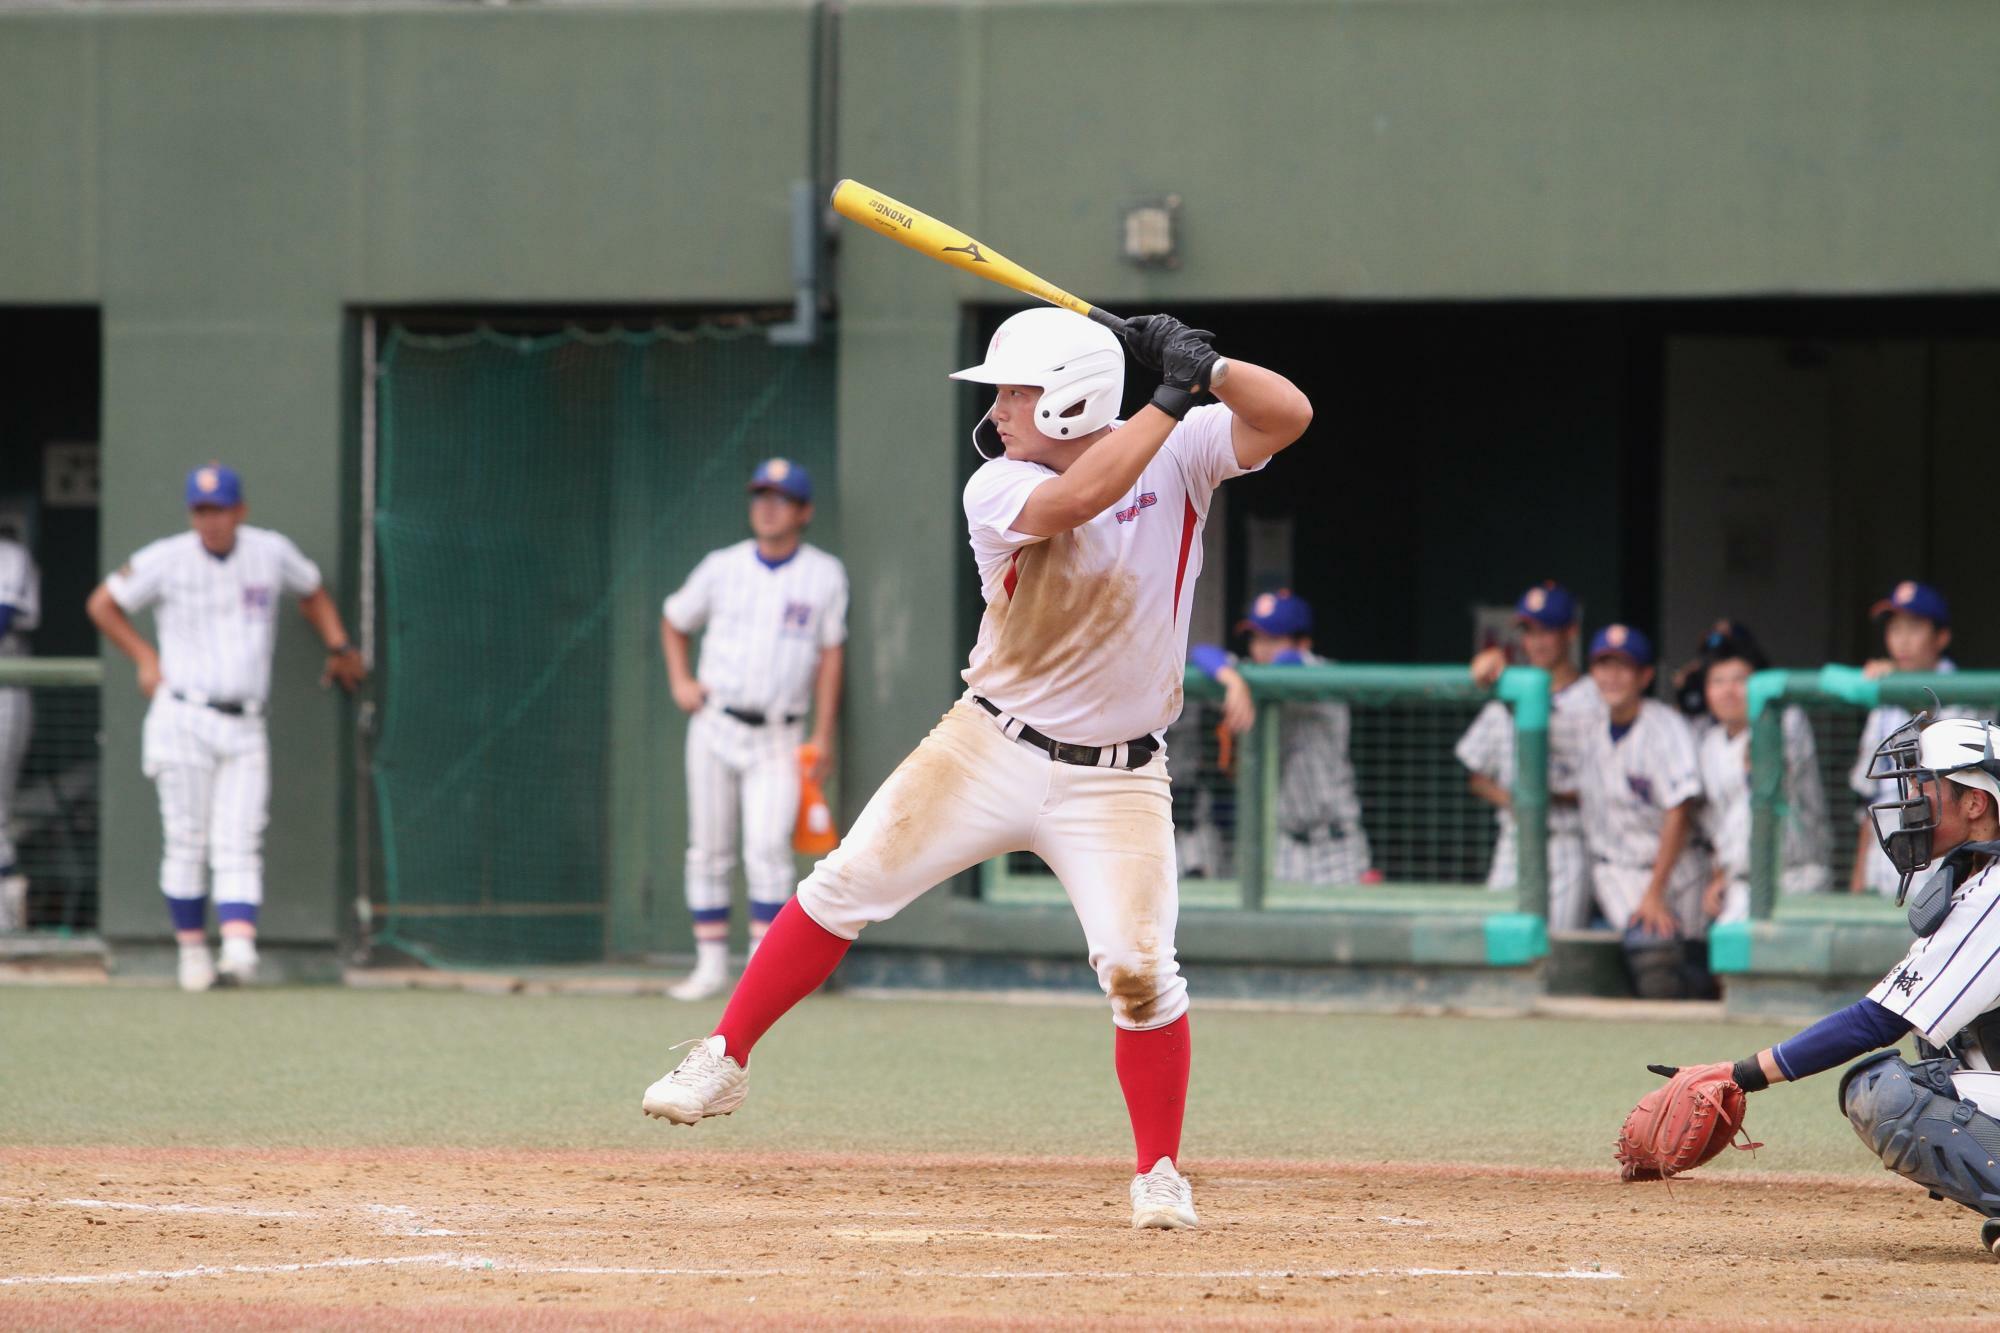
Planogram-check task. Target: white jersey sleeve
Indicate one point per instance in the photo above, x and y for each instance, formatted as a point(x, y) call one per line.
point(139, 583)
point(1670, 761)
point(20, 585)
point(994, 498)
point(687, 607)
point(297, 574)
point(1947, 980)
point(833, 621)
point(1487, 747)
point(1205, 445)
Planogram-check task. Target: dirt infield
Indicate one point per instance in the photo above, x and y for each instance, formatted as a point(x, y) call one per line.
point(372, 1239)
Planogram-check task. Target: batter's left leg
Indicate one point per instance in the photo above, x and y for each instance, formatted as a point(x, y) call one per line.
point(1110, 839)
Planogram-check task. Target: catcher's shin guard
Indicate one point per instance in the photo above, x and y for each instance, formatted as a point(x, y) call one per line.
point(1923, 1130)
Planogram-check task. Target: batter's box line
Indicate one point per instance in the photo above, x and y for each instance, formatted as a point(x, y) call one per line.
point(479, 1263)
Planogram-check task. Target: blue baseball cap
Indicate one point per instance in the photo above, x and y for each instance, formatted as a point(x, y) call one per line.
point(1919, 599)
point(1547, 604)
point(1282, 613)
point(1622, 641)
point(785, 477)
point(214, 484)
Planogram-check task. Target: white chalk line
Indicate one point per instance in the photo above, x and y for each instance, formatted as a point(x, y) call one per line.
point(397, 1219)
point(480, 1263)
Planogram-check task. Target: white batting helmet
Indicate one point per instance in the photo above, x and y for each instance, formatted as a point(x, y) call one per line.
point(1079, 366)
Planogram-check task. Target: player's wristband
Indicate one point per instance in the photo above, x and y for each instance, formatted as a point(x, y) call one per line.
point(1748, 1074)
point(339, 649)
point(1174, 402)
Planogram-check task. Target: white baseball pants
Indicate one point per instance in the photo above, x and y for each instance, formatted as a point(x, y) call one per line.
point(740, 775)
point(213, 772)
point(16, 725)
point(967, 794)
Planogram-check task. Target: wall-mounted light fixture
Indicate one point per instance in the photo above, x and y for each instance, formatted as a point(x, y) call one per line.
point(1152, 232)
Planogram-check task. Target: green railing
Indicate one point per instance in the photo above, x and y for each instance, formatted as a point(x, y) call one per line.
point(1405, 720)
point(54, 806)
point(1832, 694)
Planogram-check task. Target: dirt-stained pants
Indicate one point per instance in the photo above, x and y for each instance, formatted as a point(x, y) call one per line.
point(967, 794)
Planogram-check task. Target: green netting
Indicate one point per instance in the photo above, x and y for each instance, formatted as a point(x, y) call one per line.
point(537, 499)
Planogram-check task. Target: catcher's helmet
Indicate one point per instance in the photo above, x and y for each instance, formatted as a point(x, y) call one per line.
point(1079, 366)
point(1919, 752)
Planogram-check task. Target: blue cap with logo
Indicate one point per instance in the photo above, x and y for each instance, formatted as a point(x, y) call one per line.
point(785, 477)
point(1282, 613)
point(214, 484)
point(1547, 604)
point(1918, 599)
point(1622, 641)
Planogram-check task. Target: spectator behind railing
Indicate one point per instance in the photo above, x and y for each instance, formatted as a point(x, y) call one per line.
point(1916, 631)
point(1320, 837)
point(1545, 617)
point(1715, 688)
point(20, 610)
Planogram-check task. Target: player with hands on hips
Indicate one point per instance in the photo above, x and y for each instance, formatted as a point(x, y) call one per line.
point(772, 613)
point(1087, 536)
point(214, 592)
point(1933, 1122)
point(20, 612)
point(1916, 632)
point(1321, 837)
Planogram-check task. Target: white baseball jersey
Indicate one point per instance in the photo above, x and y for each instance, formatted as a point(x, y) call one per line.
point(765, 625)
point(1725, 815)
point(1881, 875)
point(21, 589)
point(217, 617)
point(1487, 748)
point(1951, 978)
point(1085, 633)
point(1626, 785)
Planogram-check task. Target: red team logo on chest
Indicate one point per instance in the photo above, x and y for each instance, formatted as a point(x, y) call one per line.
point(1146, 501)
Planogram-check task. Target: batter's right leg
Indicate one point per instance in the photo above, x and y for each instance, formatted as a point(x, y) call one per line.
point(711, 856)
point(966, 794)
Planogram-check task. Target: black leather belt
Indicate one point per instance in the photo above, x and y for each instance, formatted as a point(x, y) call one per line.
point(1138, 753)
point(228, 707)
point(751, 717)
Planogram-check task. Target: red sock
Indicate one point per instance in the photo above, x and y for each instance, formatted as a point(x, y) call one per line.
point(1153, 1071)
point(796, 955)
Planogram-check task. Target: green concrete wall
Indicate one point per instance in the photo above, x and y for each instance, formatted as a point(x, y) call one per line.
point(229, 185)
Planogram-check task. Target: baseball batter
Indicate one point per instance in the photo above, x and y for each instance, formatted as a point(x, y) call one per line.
point(772, 612)
point(1545, 618)
point(1087, 535)
point(1916, 632)
point(20, 612)
point(1933, 1122)
point(214, 591)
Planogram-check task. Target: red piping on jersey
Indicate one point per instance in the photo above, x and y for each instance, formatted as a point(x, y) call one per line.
point(1013, 575)
point(1187, 540)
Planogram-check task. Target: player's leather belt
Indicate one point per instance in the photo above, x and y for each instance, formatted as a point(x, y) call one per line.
point(228, 707)
point(755, 717)
point(1128, 754)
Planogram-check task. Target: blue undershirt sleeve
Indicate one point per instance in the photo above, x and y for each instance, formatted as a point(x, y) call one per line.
point(1861, 1027)
point(6, 619)
point(1207, 659)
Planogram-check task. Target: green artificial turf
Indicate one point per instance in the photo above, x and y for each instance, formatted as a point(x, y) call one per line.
point(348, 1068)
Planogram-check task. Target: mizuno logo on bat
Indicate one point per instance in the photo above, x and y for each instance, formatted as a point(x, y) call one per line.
point(970, 248)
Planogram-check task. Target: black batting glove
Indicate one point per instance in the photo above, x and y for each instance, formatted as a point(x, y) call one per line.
point(1185, 365)
point(1147, 337)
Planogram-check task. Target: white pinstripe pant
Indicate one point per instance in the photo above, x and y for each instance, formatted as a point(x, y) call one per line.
point(213, 772)
point(16, 724)
point(738, 774)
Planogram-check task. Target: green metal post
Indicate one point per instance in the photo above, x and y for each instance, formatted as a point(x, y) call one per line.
point(1767, 788)
point(1527, 690)
point(1256, 790)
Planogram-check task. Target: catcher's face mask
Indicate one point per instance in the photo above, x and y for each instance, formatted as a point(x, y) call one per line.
point(1904, 826)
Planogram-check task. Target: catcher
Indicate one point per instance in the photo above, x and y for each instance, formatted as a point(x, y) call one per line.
point(1933, 1121)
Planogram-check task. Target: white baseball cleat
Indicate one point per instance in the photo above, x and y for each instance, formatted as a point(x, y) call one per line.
point(700, 985)
point(706, 1083)
point(197, 970)
point(239, 961)
point(1162, 1198)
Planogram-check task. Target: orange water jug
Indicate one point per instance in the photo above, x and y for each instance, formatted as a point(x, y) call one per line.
point(814, 834)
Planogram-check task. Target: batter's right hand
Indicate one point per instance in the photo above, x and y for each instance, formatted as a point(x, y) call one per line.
point(1147, 337)
point(689, 696)
point(149, 677)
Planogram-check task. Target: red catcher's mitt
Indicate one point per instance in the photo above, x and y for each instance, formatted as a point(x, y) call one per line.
point(1682, 1124)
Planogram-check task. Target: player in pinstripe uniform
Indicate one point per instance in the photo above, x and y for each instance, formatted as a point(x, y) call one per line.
point(215, 591)
point(1638, 788)
point(1933, 1122)
point(20, 612)
point(1320, 837)
point(1916, 631)
point(773, 616)
point(1545, 616)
